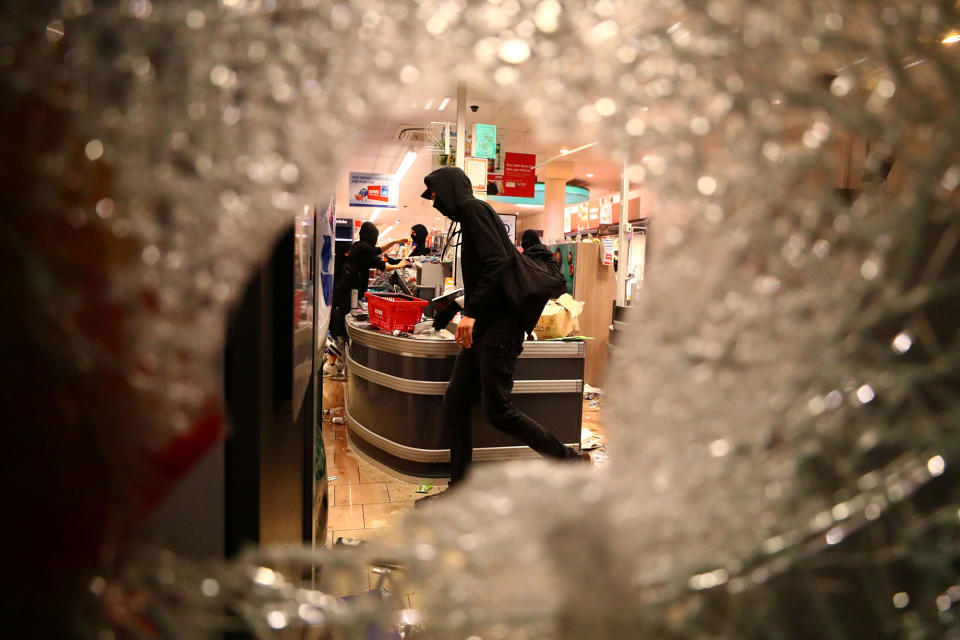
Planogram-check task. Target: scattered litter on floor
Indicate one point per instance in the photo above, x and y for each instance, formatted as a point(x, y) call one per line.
point(591, 393)
point(350, 542)
point(589, 440)
point(424, 488)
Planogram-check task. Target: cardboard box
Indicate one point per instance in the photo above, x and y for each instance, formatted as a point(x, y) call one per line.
point(559, 318)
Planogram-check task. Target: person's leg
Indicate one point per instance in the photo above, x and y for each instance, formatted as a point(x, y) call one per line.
point(462, 393)
point(498, 353)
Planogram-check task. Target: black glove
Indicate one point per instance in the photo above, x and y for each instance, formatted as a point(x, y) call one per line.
point(443, 316)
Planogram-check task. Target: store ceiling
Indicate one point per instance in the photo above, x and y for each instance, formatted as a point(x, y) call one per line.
point(376, 148)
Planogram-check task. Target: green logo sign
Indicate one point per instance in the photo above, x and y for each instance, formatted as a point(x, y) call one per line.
point(484, 140)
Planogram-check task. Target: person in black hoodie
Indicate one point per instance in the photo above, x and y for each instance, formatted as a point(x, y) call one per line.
point(418, 238)
point(364, 255)
point(490, 332)
point(534, 249)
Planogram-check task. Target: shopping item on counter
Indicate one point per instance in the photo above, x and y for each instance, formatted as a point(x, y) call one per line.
point(424, 488)
point(559, 318)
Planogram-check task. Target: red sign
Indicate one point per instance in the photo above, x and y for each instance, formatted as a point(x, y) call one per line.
point(374, 193)
point(518, 178)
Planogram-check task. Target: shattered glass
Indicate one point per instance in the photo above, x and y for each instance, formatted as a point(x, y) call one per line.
point(783, 424)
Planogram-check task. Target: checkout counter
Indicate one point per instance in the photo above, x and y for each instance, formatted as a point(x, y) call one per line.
point(395, 386)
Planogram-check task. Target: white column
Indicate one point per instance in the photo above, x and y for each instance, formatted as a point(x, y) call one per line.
point(623, 259)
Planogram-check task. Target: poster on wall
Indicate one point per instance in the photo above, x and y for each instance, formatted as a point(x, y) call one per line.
point(325, 231)
point(583, 217)
point(373, 190)
point(518, 178)
point(606, 211)
point(476, 170)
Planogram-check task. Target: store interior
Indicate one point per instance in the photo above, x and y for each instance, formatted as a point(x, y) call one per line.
point(749, 368)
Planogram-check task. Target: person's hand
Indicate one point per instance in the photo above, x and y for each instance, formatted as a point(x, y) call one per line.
point(403, 263)
point(465, 331)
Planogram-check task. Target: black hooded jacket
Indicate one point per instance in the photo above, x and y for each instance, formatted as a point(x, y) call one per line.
point(363, 256)
point(418, 233)
point(486, 248)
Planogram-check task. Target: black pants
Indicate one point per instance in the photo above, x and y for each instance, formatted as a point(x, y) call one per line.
point(485, 371)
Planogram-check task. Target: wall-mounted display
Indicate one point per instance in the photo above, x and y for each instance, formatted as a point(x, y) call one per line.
point(373, 190)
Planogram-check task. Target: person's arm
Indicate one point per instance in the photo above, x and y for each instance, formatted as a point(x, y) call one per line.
point(484, 235)
point(393, 267)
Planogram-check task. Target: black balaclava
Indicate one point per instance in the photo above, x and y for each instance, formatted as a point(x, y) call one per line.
point(418, 233)
point(452, 187)
point(529, 238)
point(369, 233)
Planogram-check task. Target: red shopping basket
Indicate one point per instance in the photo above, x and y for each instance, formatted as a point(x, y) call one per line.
point(394, 310)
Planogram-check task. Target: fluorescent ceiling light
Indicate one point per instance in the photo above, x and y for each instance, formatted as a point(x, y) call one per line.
point(443, 104)
point(405, 164)
point(952, 38)
point(589, 175)
point(564, 151)
point(373, 216)
point(429, 104)
point(386, 232)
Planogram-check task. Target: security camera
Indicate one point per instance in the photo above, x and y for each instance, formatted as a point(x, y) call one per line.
point(474, 108)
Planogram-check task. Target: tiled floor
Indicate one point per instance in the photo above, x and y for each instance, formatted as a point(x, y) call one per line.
point(366, 502)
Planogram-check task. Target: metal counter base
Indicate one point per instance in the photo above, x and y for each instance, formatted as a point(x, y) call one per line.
point(395, 387)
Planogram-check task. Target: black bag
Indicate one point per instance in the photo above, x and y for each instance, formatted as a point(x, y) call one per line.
point(528, 285)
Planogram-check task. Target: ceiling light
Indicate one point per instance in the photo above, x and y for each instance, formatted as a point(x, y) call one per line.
point(386, 232)
point(589, 175)
point(952, 38)
point(429, 104)
point(373, 216)
point(564, 151)
point(405, 164)
point(443, 104)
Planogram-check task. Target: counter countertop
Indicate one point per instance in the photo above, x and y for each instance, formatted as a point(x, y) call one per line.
point(367, 334)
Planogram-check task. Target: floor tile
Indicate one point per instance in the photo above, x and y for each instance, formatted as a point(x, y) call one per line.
point(406, 492)
point(344, 476)
point(346, 517)
point(360, 494)
point(345, 459)
point(369, 473)
point(384, 515)
point(416, 600)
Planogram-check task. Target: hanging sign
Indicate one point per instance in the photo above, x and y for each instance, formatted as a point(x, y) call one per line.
point(484, 141)
point(373, 190)
point(518, 178)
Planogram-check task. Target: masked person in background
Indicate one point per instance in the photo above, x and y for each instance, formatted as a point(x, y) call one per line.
point(490, 331)
point(418, 238)
point(533, 248)
point(364, 255)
